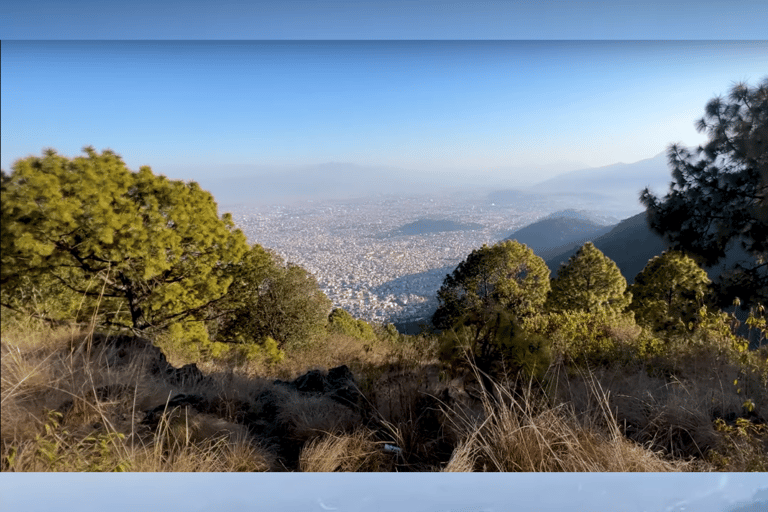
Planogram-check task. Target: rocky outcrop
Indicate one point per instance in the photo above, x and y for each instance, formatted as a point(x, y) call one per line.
point(283, 415)
point(120, 351)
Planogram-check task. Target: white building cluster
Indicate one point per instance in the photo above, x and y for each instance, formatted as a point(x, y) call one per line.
point(359, 262)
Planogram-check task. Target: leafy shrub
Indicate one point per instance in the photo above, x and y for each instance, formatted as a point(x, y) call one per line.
point(586, 338)
point(341, 322)
point(491, 340)
point(268, 299)
point(189, 341)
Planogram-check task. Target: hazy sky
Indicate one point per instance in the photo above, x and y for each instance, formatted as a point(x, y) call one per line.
point(191, 109)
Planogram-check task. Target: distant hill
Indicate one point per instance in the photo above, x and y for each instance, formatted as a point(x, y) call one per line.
point(614, 188)
point(424, 226)
point(630, 244)
point(560, 232)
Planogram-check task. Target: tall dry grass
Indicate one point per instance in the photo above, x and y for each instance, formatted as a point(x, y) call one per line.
point(524, 431)
point(65, 409)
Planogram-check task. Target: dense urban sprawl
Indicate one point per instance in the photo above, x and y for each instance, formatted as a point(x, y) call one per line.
point(362, 264)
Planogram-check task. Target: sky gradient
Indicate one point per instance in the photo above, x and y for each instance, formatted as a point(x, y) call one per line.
point(195, 109)
point(384, 19)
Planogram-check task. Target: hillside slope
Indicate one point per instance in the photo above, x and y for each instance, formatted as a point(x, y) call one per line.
point(631, 243)
point(559, 232)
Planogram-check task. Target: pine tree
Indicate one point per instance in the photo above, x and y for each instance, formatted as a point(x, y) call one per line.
point(669, 292)
point(507, 275)
point(136, 242)
point(720, 195)
point(589, 282)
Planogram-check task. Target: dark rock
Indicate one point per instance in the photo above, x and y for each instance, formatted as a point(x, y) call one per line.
point(311, 382)
point(338, 384)
point(122, 350)
point(196, 402)
point(188, 375)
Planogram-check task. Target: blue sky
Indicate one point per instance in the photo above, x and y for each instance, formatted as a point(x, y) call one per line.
point(193, 109)
point(384, 19)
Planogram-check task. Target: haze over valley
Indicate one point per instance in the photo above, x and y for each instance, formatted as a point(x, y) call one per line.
point(382, 257)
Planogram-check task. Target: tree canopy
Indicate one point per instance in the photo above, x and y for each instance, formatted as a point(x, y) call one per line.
point(590, 281)
point(669, 292)
point(507, 274)
point(155, 247)
point(269, 299)
point(720, 193)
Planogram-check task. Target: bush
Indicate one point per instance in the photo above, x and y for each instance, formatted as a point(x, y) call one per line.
point(268, 299)
point(341, 322)
point(493, 341)
point(586, 338)
point(190, 342)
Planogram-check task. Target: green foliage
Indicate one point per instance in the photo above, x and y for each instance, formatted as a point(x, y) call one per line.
point(156, 248)
point(669, 292)
point(341, 322)
point(757, 321)
point(57, 449)
point(268, 299)
point(190, 341)
point(586, 337)
point(493, 339)
point(268, 349)
point(647, 346)
point(743, 448)
point(589, 282)
point(507, 275)
point(391, 333)
point(720, 195)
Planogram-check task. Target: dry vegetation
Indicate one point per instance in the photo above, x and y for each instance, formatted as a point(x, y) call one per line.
point(65, 408)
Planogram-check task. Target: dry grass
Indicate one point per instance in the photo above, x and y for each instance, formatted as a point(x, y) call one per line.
point(357, 451)
point(523, 432)
point(68, 410)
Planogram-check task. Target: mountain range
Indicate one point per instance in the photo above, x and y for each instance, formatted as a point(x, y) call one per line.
point(613, 188)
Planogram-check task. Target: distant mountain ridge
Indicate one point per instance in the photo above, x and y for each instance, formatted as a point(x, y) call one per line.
point(631, 243)
point(560, 231)
point(613, 188)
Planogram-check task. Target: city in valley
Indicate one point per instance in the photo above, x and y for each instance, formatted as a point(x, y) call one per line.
point(363, 259)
